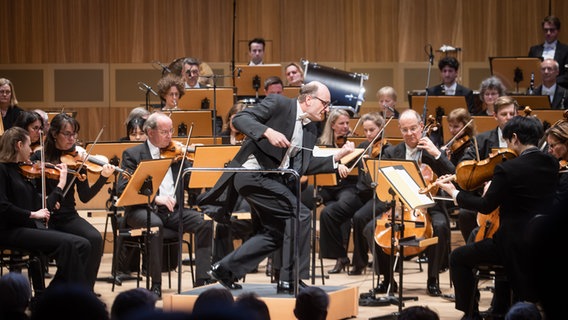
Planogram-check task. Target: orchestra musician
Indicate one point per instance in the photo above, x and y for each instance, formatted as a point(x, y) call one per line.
point(490, 89)
point(294, 74)
point(33, 123)
point(335, 133)
point(159, 130)
point(421, 149)
point(505, 108)
point(23, 215)
point(281, 134)
point(353, 203)
point(387, 102)
point(170, 90)
point(462, 137)
point(60, 146)
point(521, 188)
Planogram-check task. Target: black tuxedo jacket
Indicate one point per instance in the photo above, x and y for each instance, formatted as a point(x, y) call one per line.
point(560, 99)
point(279, 113)
point(486, 141)
point(560, 55)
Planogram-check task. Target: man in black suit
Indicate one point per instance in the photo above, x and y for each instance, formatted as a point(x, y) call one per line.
point(521, 188)
point(558, 95)
point(159, 130)
point(422, 149)
point(551, 48)
point(281, 134)
point(449, 67)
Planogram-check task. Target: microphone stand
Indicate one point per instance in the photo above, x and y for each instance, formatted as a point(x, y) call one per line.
point(233, 40)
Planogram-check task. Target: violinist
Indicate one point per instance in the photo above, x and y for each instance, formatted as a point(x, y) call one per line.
point(457, 120)
point(419, 148)
point(353, 203)
point(234, 136)
point(22, 224)
point(134, 130)
point(521, 187)
point(505, 108)
point(159, 130)
point(60, 143)
point(335, 134)
point(557, 145)
point(33, 123)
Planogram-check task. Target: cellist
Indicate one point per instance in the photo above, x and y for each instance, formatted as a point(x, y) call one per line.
point(419, 148)
point(505, 108)
point(521, 187)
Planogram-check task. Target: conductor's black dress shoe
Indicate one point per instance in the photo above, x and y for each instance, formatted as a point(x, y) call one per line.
point(224, 276)
point(287, 287)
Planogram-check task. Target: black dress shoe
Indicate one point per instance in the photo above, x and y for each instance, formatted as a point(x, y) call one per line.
point(287, 287)
point(383, 287)
point(157, 289)
point(224, 276)
point(433, 288)
point(275, 276)
point(356, 271)
point(340, 265)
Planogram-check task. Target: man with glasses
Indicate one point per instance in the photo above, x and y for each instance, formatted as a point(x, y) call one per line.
point(281, 135)
point(159, 130)
point(190, 73)
point(551, 48)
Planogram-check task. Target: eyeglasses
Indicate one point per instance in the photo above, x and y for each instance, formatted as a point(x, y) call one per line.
point(165, 132)
point(552, 145)
point(36, 128)
point(548, 30)
point(412, 129)
point(69, 135)
point(6, 92)
point(325, 103)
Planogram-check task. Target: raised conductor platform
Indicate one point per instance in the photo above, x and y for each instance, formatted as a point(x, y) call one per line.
point(343, 300)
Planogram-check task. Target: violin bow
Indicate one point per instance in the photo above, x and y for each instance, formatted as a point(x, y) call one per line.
point(370, 146)
point(183, 157)
point(43, 186)
point(457, 135)
point(83, 162)
point(356, 125)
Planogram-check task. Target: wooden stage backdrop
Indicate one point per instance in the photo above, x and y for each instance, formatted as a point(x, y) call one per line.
point(88, 56)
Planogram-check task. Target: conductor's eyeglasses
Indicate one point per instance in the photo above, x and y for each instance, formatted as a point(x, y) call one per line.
point(325, 103)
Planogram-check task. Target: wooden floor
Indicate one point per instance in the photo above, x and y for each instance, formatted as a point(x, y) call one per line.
point(414, 285)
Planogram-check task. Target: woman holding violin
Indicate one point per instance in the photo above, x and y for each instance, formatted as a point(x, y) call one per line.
point(461, 132)
point(23, 214)
point(33, 123)
point(60, 147)
point(521, 187)
point(355, 203)
point(557, 145)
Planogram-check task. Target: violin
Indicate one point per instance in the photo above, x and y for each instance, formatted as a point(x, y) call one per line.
point(33, 171)
point(93, 163)
point(563, 166)
point(340, 141)
point(176, 151)
point(472, 174)
point(460, 144)
point(240, 138)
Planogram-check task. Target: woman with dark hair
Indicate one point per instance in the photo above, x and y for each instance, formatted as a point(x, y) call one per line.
point(22, 222)
point(60, 146)
point(33, 123)
point(134, 130)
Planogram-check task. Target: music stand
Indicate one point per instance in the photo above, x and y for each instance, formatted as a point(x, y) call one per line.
point(436, 103)
point(250, 79)
point(291, 92)
point(212, 156)
point(201, 119)
point(142, 188)
point(112, 151)
point(535, 102)
point(516, 72)
point(204, 98)
point(400, 179)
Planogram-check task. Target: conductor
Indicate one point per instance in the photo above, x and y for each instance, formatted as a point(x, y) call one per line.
point(281, 134)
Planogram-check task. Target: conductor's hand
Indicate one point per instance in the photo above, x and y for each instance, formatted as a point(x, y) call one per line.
point(167, 201)
point(276, 138)
point(347, 148)
point(343, 171)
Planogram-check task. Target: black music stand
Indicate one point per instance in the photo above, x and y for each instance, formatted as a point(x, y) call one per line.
point(401, 179)
point(112, 151)
point(141, 189)
point(516, 71)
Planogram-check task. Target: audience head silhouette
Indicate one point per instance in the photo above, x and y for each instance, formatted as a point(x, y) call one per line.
point(69, 301)
point(133, 300)
point(311, 304)
point(15, 294)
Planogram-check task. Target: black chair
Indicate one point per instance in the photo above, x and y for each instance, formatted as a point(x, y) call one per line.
point(487, 272)
point(16, 260)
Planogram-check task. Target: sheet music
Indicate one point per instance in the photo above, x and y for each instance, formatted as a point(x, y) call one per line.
point(406, 188)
